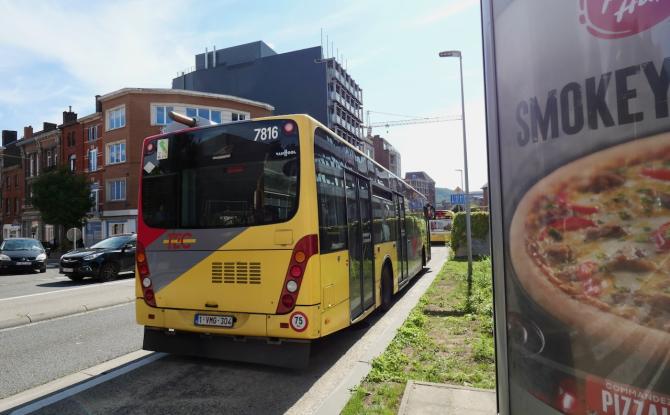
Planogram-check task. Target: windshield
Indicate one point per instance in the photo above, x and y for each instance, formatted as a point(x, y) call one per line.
point(240, 174)
point(115, 242)
point(21, 245)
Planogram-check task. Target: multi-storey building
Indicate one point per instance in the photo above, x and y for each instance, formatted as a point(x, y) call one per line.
point(106, 145)
point(386, 155)
point(12, 183)
point(422, 182)
point(40, 152)
point(302, 81)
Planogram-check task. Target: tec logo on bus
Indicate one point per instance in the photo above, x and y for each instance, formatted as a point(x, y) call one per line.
point(179, 240)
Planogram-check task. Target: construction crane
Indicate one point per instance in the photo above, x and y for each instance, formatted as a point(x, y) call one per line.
point(408, 121)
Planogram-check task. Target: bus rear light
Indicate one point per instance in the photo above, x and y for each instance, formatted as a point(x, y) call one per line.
point(288, 301)
point(289, 128)
point(292, 286)
point(299, 257)
point(143, 269)
point(296, 271)
point(150, 147)
point(303, 250)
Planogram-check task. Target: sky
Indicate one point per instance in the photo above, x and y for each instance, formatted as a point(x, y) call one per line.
point(56, 54)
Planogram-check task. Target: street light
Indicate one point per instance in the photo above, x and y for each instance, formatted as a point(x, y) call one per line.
point(457, 54)
point(461, 171)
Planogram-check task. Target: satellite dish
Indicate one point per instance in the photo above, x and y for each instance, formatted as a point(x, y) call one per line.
point(73, 234)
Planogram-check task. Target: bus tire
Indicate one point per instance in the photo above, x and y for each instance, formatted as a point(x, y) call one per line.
point(387, 288)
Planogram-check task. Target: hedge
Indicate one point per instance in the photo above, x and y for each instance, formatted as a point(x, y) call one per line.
point(479, 222)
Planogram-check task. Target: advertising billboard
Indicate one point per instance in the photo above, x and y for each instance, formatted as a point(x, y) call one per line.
point(579, 155)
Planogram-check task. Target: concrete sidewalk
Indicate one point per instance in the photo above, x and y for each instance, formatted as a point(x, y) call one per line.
point(439, 398)
point(26, 309)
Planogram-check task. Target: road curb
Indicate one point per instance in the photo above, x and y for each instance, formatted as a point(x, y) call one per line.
point(22, 398)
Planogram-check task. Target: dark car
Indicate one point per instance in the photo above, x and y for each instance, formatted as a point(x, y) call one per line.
point(22, 254)
point(102, 261)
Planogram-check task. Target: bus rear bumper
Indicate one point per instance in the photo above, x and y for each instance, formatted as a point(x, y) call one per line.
point(278, 352)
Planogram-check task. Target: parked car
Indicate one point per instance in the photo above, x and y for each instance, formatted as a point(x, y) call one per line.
point(103, 261)
point(22, 254)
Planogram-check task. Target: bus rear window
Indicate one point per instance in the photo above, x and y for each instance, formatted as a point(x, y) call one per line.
point(241, 174)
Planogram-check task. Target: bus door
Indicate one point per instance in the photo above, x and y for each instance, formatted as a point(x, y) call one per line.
point(402, 238)
point(361, 257)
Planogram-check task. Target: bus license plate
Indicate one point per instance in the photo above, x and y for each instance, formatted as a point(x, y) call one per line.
point(210, 320)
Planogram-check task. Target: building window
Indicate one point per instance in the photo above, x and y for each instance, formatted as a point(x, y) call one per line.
point(117, 228)
point(49, 158)
point(238, 117)
point(92, 132)
point(116, 118)
point(93, 159)
point(95, 196)
point(32, 164)
point(161, 115)
point(16, 205)
point(116, 190)
point(116, 152)
point(8, 207)
point(16, 181)
point(207, 113)
point(72, 162)
point(7, 182)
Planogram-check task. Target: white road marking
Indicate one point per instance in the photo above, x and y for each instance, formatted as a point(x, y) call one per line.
point(97, 377)
point(67, 289)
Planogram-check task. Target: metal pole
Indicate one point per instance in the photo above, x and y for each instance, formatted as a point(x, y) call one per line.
point(467, 188)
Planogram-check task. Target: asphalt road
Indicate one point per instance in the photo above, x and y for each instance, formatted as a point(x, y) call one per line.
point(37, 353)
point(44, 351)
point(16, 285)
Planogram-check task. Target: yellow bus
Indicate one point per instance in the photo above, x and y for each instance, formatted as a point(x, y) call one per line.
point(440, 226)
point(256, 237)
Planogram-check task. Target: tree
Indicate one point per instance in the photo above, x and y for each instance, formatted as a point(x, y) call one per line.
point(62, 197)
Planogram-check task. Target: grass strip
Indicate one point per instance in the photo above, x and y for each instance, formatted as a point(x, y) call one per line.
point(447, 338)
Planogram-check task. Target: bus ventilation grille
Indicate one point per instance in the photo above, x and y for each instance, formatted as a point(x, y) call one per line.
point(236, 272)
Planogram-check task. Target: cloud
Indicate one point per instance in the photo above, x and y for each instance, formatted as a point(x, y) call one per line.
point(107, 45)
point(437, 15)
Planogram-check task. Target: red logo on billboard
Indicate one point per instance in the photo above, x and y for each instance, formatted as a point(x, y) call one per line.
point(606, 397)
point(613, 19)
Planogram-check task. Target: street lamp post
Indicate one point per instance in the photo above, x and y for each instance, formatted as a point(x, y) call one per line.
point(462, 185)
point(449, 54)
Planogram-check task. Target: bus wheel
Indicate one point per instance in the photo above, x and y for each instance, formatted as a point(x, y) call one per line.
point(387, 289)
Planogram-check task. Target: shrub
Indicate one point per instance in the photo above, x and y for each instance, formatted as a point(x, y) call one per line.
point(479, 222)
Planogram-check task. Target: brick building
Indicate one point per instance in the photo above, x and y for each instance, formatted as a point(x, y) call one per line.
point(422, 182)
point(40, 152)
point(12, 184)
point(106, 145)
point(386, 155)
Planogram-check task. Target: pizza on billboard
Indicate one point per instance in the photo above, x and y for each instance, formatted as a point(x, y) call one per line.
point(591, 244)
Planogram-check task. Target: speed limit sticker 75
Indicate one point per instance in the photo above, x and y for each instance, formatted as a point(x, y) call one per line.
point(298, 321)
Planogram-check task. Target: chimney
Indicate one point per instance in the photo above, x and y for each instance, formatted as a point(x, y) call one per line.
point(69, 117)
point(98, 104)
point(206, 57)
point(27, 132)
point(8, 137)
point(48, 126)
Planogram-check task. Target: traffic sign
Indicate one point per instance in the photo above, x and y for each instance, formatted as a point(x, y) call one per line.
point(457, 198)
